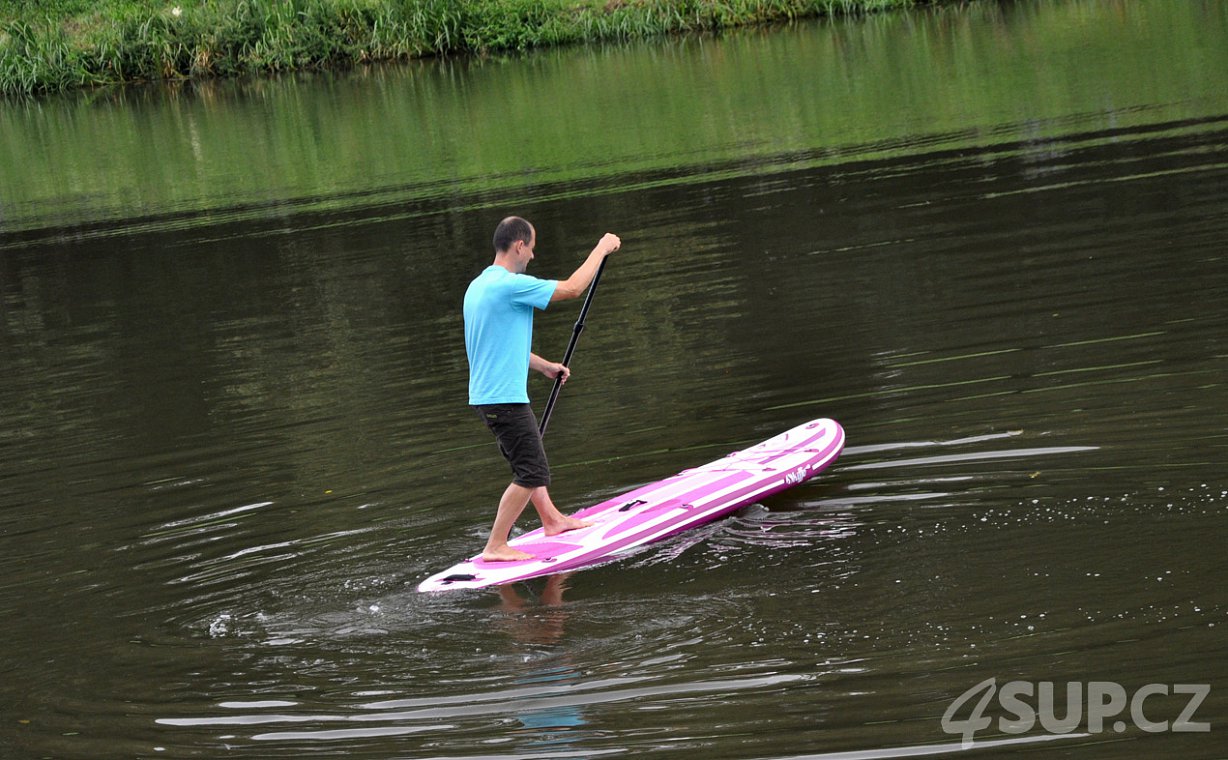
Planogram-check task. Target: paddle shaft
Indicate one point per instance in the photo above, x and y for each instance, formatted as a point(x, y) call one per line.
point(571, 347)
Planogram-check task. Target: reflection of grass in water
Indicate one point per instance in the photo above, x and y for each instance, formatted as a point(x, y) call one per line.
point(61, 44)
point(396, 143)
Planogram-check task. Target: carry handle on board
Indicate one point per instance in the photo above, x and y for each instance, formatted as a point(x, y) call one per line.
point(571, 347)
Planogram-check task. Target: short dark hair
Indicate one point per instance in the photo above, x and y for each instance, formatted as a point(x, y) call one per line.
point(509, 231)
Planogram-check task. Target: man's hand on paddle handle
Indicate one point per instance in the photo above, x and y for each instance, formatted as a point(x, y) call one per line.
point(574, 286)
point(608, 244)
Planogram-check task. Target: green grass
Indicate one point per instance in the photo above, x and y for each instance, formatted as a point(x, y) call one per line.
point(52, 45)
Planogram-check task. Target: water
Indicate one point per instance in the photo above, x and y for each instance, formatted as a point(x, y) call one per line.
point(987, 239)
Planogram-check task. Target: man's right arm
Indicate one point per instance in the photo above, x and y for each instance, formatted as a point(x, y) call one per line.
point(574, 286)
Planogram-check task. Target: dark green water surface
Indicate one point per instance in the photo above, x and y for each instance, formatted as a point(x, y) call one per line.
point(988, 239)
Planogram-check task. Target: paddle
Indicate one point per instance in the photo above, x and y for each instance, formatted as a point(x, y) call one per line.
point(571, 347)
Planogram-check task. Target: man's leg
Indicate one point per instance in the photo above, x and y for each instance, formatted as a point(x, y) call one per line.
point(514, 500)
point(554, 522)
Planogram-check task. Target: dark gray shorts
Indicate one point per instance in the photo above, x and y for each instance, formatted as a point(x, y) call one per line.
point(515, 430)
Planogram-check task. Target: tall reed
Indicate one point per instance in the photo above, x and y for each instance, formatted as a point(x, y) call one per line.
point(61, 44)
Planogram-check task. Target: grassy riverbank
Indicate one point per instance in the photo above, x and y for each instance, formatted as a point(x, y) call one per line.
point(51, 45)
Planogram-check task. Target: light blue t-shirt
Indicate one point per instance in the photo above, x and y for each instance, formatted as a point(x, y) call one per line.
point(499, 333)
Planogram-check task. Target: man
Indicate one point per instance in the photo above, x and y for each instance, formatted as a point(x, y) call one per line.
point(499, 308)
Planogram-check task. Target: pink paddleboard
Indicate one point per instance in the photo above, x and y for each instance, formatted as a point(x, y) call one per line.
point(661, 509)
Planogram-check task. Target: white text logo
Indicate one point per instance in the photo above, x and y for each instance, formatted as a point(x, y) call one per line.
point(1024, 704)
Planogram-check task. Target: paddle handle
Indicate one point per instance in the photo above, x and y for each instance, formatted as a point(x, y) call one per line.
point(571, 347)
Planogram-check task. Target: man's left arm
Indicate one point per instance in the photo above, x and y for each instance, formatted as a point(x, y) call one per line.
point(548, 368)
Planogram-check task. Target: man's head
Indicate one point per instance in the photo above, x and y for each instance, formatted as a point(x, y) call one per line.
point(512, 230)
point(514, 241)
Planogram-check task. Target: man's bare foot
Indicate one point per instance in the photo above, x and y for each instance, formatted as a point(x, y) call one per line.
point(564, 525)
point(504, 553)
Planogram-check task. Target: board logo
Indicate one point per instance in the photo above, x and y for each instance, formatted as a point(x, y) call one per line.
point(798, 475)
